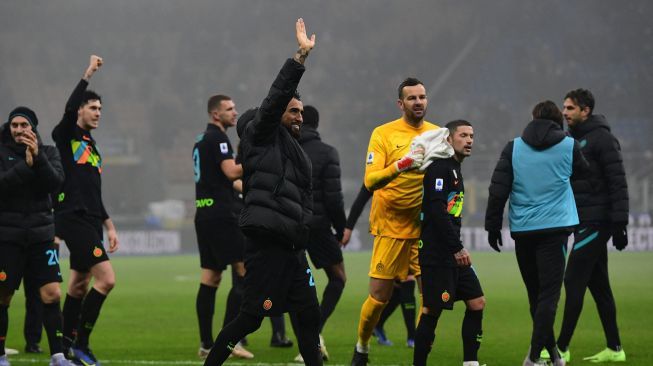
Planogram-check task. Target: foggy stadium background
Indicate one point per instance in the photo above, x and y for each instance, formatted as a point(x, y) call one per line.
point(488, 62)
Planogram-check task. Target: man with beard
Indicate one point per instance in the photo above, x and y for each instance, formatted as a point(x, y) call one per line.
point(602, 201)
point(29, 173)
point(391, 174)
point(278, 206)
point(219, 239)
point(447, 273)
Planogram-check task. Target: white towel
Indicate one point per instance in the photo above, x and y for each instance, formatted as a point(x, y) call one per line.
point(434, 144)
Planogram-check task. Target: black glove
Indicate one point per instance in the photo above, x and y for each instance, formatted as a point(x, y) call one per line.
point(619, 237)
point(494, 239)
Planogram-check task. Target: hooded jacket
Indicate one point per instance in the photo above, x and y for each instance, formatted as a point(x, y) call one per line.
point(328, 203)
point(276, 172)
point(534, 171)
point(602, 194)
point(25, 205)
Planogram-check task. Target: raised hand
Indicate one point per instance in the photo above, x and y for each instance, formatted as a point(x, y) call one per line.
point(94, 65)
point(305, 43)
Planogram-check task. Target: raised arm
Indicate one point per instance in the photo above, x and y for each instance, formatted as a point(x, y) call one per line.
point(69, 119)
point(268, 119)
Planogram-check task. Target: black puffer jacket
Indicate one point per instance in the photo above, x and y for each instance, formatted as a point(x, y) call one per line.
point(602, 195)
point(328, 204)
point(276, 171)
point(25, 206)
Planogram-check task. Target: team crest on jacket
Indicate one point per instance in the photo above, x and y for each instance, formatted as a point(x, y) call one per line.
point(267, 304)
point(370, 158)
point(445, 296)
point(3, 276)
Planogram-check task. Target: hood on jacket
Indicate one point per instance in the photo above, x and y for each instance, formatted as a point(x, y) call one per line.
point(308, 133)
point(244, 120)
point(593, 122)
point(542, 133)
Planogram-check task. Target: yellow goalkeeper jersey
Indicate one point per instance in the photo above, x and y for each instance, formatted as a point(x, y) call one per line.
point(395, 207)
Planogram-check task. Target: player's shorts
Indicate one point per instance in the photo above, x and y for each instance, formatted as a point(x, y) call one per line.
point(220, 243)
point(83, 237)
point(39, 262)
point(277, 280)
point(323, 248)
point(394, 258)
point(442, 286)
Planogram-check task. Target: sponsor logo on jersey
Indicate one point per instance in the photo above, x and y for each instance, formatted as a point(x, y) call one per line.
point(97, 252)
point(224, 148)
point(370, 158)
point(439, 184)
point(445, 296)
point(204, 202)
point(267, 304)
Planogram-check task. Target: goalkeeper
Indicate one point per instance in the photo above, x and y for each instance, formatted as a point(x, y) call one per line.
point(391, 173)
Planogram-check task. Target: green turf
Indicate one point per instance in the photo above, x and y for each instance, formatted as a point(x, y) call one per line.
point(150, 316)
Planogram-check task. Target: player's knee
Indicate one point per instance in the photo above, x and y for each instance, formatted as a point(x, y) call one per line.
point(105, 285)
point(476, 304)
point(50, 293)
point(78, 289)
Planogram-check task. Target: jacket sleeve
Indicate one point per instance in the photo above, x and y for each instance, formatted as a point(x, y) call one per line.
point(357, 207)
point(48, 169)
point(69, 119)
point(268, 117)
point(580, 166)
point(499, 191)
point(333, 200)
point(15, 176)
point(609, 157)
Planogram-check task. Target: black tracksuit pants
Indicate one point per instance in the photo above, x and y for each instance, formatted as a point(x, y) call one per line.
point(588, 268)
point(541, 259)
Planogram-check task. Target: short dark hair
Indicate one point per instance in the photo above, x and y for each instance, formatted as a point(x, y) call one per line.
point(407, 82)
point(296, 95)
point(88, 96)
point(453, 125)
point(582, 98)
point(547, 110)
point(311, 116)
point(214, 102)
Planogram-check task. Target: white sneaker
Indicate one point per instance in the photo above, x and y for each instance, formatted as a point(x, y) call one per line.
point(11, 351)
point(58, 359)
point(240, 352)
point(323, 350)
point(299, 358)
point(203, 352)
point(472, 363)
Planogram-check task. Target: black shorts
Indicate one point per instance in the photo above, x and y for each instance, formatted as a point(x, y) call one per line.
point(323, 248)
point(83, 237)
point(442, 286)
point(277, 280)
point(38, 263)
point(220, 243)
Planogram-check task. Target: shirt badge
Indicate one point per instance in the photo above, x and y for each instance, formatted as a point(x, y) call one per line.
point(370, 157)
point(224, 148)
point(439, 184)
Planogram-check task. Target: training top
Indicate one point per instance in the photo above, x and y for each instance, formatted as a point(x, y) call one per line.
point(82, 163)
point(213, 190)
point(442, 206)
point(395, 207)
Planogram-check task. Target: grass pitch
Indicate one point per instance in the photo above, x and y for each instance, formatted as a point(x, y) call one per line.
point(149, 318)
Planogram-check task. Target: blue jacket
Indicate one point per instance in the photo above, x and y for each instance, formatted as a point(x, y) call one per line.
point(534, 171)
